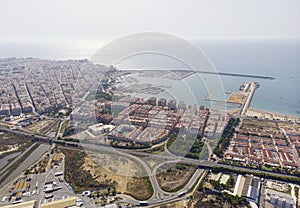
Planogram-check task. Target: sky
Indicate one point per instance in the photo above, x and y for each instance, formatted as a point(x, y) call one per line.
point(44, 27)
point(192, 19)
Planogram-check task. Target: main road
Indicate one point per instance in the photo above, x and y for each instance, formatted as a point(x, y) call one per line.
point(159, 196)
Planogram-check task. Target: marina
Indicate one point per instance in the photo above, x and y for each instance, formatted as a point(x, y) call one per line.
point(242, 97)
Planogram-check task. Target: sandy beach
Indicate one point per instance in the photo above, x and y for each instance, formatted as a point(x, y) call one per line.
point(270, 115)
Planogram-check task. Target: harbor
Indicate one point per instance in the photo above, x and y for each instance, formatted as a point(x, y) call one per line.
point(243, 96)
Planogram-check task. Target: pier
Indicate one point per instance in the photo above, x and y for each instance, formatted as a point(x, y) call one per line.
point(236, 75)
point(253, 86)
point(209, 96)
point(246, 93)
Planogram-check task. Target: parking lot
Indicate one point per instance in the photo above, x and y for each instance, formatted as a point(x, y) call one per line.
point(42, 187)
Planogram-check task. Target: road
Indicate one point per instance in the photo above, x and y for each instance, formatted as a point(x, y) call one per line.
point(292, 147)
point(203, 163)
point(159, 196)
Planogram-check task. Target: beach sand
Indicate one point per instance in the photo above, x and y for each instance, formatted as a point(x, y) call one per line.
point(269, 115)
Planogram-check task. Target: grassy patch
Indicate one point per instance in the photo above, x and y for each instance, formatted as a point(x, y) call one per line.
point(187, 146)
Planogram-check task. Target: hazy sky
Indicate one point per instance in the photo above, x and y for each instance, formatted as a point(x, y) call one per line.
point(98, 19)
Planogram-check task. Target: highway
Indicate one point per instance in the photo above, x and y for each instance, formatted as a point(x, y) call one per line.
point(159, 196)
point(202, 163)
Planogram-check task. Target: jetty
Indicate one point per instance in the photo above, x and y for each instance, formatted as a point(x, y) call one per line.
point(209, 96)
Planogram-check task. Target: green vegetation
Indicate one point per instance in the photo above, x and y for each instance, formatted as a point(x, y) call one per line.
point(196, 149)
point(106, 111)
point(211, 194)
point(187, 146)
point(79, 179)
point(99, 95)
point(296, 189)
point(139, 188)
point(128, 145)
point(21, 148)
point(64, 126)
point(69, 139)
point(226, 136)
point(291, 179)
point(156, 150)
point(173, 177)
point(69, 131)
point(220, 187)
point(180, 167)
point(230, 182)
point(235, 200)
point(39, 167)
point(171, 140)
point(69, 111)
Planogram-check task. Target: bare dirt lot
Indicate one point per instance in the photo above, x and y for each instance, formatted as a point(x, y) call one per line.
point(43, 126)
point(290, 127)
point(259, 126)
point(114, 174)
point(10, 142)
point(172, 177)
point(236, 97)
point(128, 174)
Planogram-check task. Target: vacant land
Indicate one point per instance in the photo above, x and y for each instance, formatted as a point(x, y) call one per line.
point(44, 126)
point(139, 188)
point(236, 97)
point(290, 127)
point(260, 126)
point(173, 177)
point(106, 173)
point(79, 178)
point(11, 143)
point(129, 175)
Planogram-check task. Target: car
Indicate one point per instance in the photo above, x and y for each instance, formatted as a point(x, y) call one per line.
point(4, 198)
point(144, 203)
point(49, 196)
point(86, 193)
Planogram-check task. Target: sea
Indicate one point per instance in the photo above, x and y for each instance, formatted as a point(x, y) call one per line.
point(274, 58)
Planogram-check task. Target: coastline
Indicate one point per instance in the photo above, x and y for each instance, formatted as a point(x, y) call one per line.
point(251, 112)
